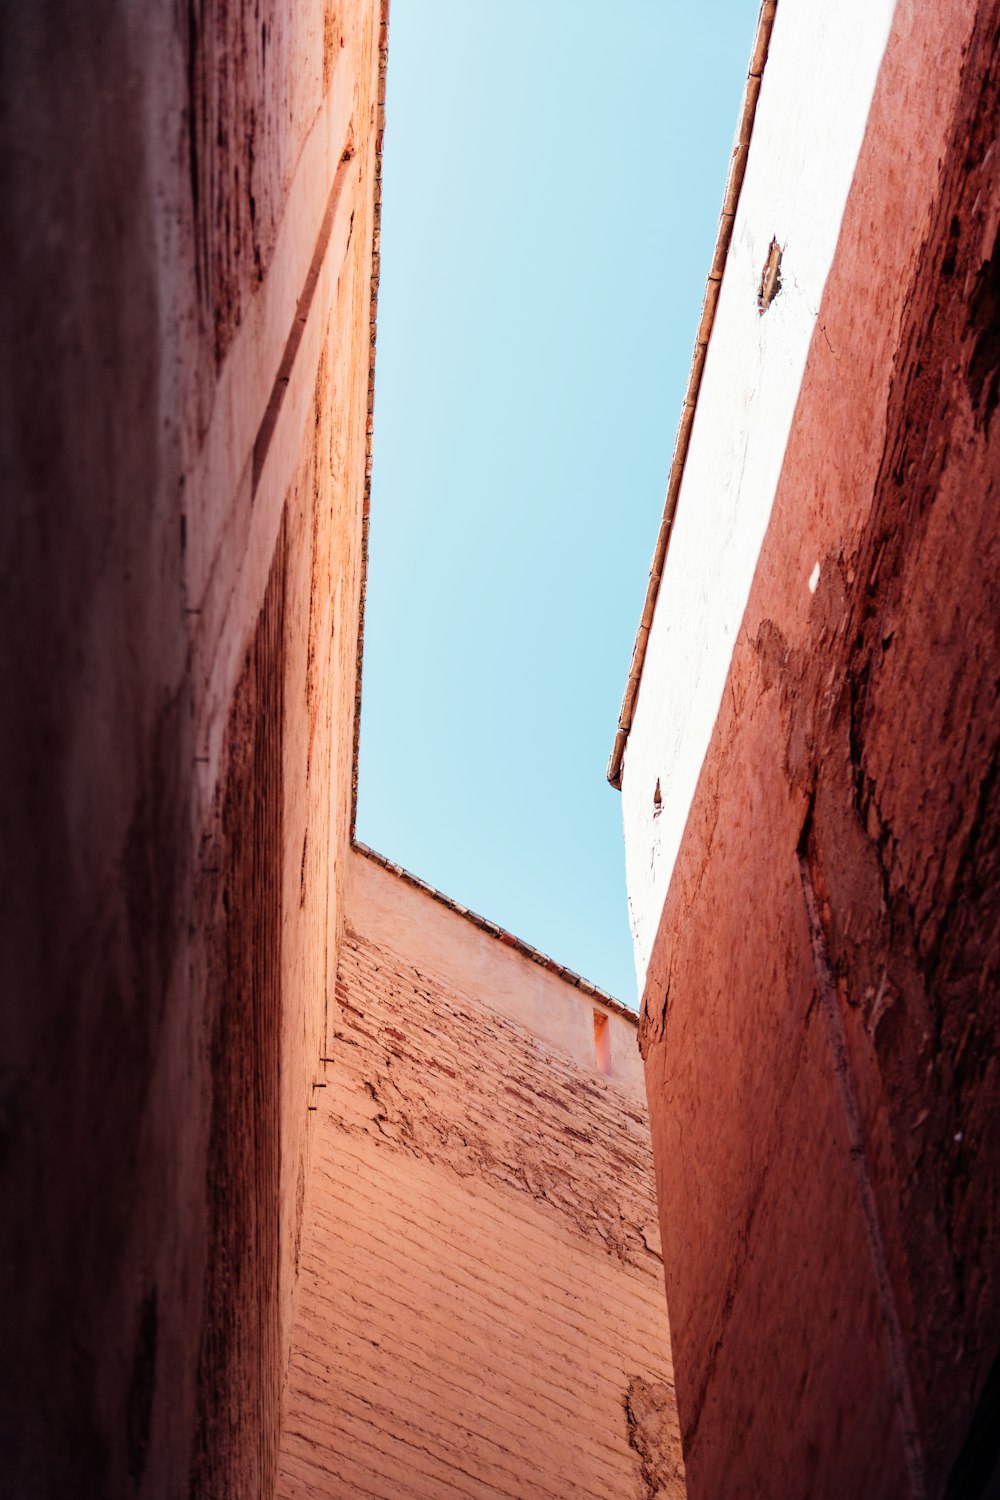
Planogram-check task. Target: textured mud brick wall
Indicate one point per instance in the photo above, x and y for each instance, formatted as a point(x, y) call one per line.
point(821, 1011)
point(481, 1305)
point(822, 65)
point(188, 205)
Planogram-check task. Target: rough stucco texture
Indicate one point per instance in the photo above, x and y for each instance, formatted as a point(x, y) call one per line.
point(188, 207)
point(481, 1306)
point(822, 66)
point(821, 1011)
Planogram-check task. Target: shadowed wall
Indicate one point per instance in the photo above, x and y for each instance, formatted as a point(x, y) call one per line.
point(185, 319)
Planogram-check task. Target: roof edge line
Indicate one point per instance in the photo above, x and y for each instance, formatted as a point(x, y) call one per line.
point(382, 61)
point(727, 218)
point(492, 929)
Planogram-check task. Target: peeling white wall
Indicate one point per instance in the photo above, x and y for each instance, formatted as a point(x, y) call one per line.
point(814, 103)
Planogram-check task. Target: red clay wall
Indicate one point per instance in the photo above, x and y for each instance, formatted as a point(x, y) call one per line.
point(188, 211)
point(821, 1014)
point(481, 1300)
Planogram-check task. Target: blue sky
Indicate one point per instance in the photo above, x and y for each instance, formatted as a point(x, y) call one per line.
point(553, 173)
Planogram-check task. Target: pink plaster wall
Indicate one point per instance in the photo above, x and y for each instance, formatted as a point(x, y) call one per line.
point(467, 953)
point(481, 1306)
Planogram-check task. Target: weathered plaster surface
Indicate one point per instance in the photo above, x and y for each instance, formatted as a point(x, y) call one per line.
point(481, 1307)
point(821, 1006)
point(186, 330)
point(811, 116)
point(529, 993)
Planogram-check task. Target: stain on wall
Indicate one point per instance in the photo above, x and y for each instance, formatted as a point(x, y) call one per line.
point(652, 1432)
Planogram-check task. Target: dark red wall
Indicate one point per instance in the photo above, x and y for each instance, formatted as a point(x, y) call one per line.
point(177, 643)
point(821, 1013)
point(96, 759)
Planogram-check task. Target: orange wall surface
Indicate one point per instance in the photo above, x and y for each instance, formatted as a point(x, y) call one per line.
point(481, 1307)
point(822, 1007)
point(189, 206)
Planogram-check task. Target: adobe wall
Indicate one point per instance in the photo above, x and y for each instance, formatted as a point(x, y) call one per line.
point(810, 121)
point(188, 211)
point(820, 1013)
point(481, 1303)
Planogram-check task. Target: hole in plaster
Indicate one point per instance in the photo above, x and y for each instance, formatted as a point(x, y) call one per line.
point(657, 799)
point(770, 278)
point(602, 1041)
point(814, 579)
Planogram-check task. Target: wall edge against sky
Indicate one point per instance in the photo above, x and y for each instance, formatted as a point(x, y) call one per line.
point(561, 971)
point(494, 930)
point(727, 218)
point(376, 261)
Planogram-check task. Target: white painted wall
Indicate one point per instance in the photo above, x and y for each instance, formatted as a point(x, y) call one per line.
point(816, 95)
